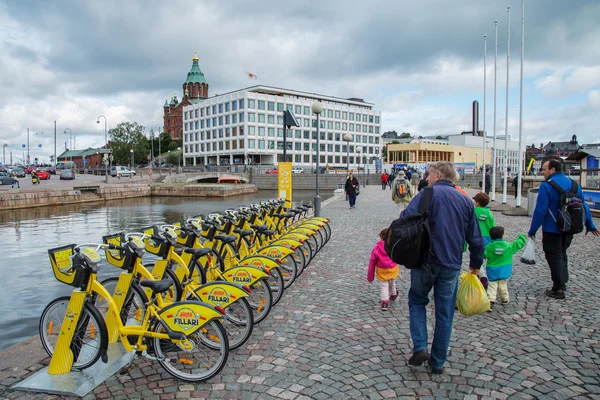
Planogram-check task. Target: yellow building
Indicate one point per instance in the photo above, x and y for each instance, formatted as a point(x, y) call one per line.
point(422, 153)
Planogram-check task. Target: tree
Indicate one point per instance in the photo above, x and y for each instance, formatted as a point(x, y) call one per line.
point(165, 141)
point(439, 137)
point(405, 135)
point(125, 137)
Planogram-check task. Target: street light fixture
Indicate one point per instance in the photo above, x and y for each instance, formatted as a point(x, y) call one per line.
point(107, 155)
point(131, 174)
point(347, 138)
point(317, 108)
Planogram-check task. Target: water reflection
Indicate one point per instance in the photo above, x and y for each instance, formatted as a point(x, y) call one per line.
point(28, 284)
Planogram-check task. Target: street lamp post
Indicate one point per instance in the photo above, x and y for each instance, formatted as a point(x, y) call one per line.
point(108, 158)
point(317, 108)
point(347, 138)
point(476, 162)
point(178, 159)
point(358, 159)
point(131, 168)
point(70, 142)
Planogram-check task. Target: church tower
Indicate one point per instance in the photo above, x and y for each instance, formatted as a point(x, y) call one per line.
point(195, 88)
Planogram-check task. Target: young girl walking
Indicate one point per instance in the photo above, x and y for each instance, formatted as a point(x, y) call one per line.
point(386, 271)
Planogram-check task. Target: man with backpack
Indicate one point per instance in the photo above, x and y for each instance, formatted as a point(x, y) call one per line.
point(401, 191)
point(450, 221)
point(561, 212)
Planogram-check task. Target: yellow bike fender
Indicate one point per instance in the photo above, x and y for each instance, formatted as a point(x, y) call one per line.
point(244, 275)
point(305, 230)
point(310, 225)
point(261, 262)
point(296, 236)
point(278, 252)
point(62, 358)
point(220, 293)
point(322, 219)
point(188, 316)
point(288, 242)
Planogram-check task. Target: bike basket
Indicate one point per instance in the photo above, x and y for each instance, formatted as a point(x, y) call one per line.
point(64, 270)
point(115, 257)
point(155, 245)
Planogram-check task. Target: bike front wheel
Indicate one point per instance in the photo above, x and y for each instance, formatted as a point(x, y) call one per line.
point(199, 357)
point(86, 344)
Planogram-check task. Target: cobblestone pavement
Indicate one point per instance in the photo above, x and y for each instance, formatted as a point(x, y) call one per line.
point(327, 337)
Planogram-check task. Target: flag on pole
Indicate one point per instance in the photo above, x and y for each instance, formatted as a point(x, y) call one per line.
point(251, 76)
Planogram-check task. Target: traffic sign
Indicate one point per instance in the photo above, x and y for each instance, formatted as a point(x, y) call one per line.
point(84, 160)
point(23, 145)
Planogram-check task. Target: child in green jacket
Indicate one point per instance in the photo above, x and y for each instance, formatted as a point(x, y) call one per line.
point(484, 216)
point(499, 254)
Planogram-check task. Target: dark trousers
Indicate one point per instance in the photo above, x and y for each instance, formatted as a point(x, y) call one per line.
point(555, 247)
point(383, 185)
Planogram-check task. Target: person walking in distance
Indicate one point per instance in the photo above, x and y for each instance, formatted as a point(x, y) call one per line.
point(546, 215)
point(423, 183)
point(401, 191)
point(414, 181)
point(384, 180)
point(386, 271)
point(452, 221)
point(350, 188)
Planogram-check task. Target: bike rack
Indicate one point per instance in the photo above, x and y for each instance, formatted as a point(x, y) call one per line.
point(76, 383)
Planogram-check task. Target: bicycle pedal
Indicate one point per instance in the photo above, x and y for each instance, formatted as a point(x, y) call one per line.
point(125, 369)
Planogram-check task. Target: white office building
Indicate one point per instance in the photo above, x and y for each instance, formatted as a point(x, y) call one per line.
point(246, 127)
point(477, 142)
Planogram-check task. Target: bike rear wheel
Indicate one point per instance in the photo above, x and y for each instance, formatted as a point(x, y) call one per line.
point(289, 270)
point(276, 284)
point(238, 322)
point(87, 340)
point(134, 307)
point(260, 300)
point(192, 359)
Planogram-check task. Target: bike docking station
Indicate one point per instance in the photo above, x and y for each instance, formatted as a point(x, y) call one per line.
point(59, 377)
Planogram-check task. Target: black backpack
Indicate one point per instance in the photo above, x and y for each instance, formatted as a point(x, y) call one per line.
point(409, 241)
point(571, 212)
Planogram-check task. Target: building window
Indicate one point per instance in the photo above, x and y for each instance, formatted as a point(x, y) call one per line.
point(306, 146)
point(186, 137)
point(330, 136)
point(364, 139)
point(280, 132)
point(306, 158)
point(220, 121)
point(345, 115)
point(261, 131)
point(261, 105)
point(306, 110)
point(337, 148)
point(196, 113)
point(357, 117)
point(371, 139)
point(241, 142)
point(271, 106)
point(233, 118)
point(227, 145)
point(271, 119)
point(306, 134)
point(271, 131)
point(251, 103)
point(376, 129)
point(186, 115)
point(337, 115)
point(241, 106)
point(201, 135)
point(337, 126)
point(271, 144)
point(329, 124)
point(365, 119)
point(351, 127)
point(234, 131)
point(364, 129)
point(234, 145)
point(298, 146)
point(306, 123)
point(279, 106)
point(202, 147)
point(214, 110)
point(227, 107)
point(227, 130)
point(196, 136)
point(251, 131)
point(241, 134)
point(207, 111)
point(261, 144)
point(370, 129)
point(214, 121)
point(351, 117)
point(234, 105)
point(251, 117)
point(251, 143)
point(221, 133)
point(329, 113)
point(298, 110)
point(221, 108)
point(330, 147)
point(261, 118)
point(196, 124)
point(280, 120)
point(357, 138)
point(290, 107)
point(241, 117)
point(202, 112)
point(298, 134)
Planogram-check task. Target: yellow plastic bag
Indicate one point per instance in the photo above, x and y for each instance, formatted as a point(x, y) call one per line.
point(471, 298)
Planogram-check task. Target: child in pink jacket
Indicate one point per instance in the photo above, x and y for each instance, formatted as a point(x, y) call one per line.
point(386, 270)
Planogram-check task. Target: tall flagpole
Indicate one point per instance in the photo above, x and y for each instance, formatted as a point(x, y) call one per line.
point(495, 152)
point(504, 167)
point(484, 93)
point(521, 161)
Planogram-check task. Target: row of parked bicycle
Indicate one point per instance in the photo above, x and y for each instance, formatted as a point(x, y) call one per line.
point(214, 278)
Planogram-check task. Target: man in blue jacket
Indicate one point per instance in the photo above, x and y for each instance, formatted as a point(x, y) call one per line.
point(452, 221)
point(554, 242)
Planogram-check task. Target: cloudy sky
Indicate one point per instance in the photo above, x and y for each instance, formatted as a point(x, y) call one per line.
point(420, 62)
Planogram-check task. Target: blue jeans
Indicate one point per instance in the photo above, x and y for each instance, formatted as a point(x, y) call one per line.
point(352, 199)
point(445, 284)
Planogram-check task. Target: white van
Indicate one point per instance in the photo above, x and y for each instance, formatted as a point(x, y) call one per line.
point(119, 171)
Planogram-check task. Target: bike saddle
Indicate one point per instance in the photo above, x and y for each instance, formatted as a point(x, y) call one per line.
point(243, 232)
point(226, 238)
point(259, 227)
point(197, 253)
point(157, 286)
point(267, 232)
point(307, 206)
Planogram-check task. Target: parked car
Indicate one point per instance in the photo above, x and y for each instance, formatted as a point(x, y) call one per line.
point(297, 170)
point(272, 171)
point(6, 178)
point(119, 171)
point(167, 166)
point(67, 174)
point(42, 174)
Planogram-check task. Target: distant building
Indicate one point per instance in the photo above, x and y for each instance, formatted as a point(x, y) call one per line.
point(195, 88)
point(246, 126)
point(563, 149)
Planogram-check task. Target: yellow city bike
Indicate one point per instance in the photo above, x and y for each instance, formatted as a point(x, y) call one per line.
point(238, 320)
point(161, 241)
point(186, 337)
point(197, 233)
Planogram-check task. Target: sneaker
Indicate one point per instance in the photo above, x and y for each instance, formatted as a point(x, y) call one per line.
point(418, 358)
point(437, 371)
point(384, 305)
point(505, 302)
point(394, 297)
point(556, 294)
